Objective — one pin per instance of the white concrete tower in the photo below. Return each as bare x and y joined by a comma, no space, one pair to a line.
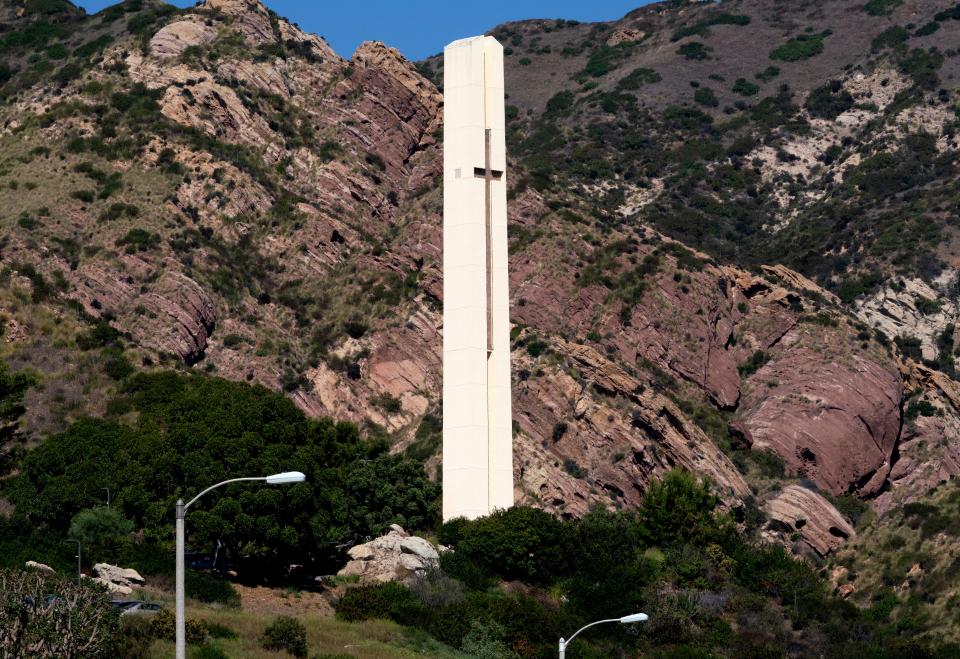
477,420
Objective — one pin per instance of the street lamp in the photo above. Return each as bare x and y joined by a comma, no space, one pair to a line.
283,478
636,617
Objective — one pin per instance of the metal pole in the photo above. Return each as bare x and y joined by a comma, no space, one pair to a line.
108,496
181,626
563,649
181,613
79,573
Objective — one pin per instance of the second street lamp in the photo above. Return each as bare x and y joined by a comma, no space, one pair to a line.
283,478
625,620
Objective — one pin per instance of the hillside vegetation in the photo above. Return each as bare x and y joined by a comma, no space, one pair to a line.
733,256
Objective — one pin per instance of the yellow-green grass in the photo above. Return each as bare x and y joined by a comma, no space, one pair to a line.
884,556
372,639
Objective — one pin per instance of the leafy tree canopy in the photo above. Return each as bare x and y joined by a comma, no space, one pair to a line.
173,435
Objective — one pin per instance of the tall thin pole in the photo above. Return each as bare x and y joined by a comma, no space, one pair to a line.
79,573
181,626
181,613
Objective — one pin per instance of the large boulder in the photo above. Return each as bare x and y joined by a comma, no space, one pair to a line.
172,39
118,580
396,556
33,565
802,511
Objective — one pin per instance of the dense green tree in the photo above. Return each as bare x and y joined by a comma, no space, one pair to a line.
678,509
516,543
13,386
99,527
194,431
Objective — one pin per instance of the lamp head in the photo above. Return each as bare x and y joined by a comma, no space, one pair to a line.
636,617
286,477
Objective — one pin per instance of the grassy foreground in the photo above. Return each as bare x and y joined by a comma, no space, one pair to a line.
374,639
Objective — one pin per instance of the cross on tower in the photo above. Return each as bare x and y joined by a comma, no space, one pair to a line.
488,175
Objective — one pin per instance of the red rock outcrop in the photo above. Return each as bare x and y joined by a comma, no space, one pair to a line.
804,512
831,414
172,39
592,430
928,452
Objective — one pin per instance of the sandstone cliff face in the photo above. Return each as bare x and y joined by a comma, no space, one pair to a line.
807,514
832,415
588,430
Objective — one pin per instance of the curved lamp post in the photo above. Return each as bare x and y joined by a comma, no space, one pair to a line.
636,617
276,479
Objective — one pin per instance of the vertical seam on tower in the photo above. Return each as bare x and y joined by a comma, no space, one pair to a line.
488,220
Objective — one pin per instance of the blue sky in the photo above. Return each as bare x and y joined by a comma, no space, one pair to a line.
419,28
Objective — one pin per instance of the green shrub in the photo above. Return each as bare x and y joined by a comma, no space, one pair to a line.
686,118
427,439
116,365
517,543
485,641
695,50
37,627
286,633
829,101
638,78
387,403
881,7
757,359
677,509
705,96
768,74
163,625
559,430
768,463
910,347
850,507
701,28
216,630
118,210
232,340
802,47
744,87
605,59
135,637
27,222
207,587
208,651
93,47
560,103
571,467
922,66
536,347
388,601
918,408
138,240
890,38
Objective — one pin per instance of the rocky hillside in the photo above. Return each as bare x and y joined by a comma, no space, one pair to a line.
731,238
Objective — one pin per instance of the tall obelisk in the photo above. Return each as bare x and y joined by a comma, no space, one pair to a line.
477,421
